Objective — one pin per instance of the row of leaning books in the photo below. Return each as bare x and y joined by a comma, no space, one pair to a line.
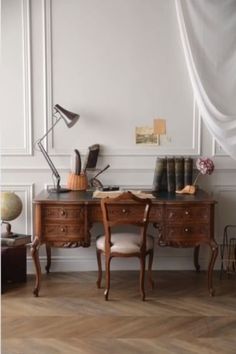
172,173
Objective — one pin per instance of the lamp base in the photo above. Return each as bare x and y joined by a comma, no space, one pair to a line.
59,190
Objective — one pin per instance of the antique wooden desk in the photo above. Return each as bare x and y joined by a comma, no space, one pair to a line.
65,220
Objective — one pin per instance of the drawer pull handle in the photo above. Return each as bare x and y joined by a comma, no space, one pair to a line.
124,211
63,212
186,212
63,229
186,229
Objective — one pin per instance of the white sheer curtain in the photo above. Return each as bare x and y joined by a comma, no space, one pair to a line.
208,34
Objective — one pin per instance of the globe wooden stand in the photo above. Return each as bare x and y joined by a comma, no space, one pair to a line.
8,232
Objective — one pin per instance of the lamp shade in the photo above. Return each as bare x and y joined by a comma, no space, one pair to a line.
69,118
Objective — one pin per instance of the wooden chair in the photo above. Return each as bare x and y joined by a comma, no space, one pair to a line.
126,209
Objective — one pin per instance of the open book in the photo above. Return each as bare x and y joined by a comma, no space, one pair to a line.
113,194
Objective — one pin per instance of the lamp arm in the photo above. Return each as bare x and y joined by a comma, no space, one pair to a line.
50,163
45,154
48,131
70,119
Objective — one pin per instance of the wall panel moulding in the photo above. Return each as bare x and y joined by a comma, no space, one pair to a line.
16,61
186,137
217,149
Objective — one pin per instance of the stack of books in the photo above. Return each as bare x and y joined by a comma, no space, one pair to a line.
172,173
16,240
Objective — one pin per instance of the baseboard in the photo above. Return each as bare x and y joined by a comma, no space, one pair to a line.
75,264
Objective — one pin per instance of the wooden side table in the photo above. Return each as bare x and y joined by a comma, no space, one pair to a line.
13,265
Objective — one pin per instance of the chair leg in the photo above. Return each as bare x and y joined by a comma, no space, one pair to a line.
142,276
150,260
99,279
106,292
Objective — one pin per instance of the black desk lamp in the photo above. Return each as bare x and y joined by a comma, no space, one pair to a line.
70,119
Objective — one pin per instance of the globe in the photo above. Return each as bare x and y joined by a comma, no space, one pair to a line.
11,206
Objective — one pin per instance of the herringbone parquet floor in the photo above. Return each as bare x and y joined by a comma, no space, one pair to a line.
71,316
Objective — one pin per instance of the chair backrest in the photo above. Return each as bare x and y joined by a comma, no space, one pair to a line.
126,209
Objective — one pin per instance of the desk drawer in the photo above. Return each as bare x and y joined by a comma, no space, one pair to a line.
75,213
63,232
156,212
187,233
193,214
124,211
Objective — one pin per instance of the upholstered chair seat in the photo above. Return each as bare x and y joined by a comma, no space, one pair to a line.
125,243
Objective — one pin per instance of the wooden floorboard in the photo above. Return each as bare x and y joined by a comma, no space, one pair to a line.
70,315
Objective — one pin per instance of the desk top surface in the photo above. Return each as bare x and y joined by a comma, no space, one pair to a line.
86,197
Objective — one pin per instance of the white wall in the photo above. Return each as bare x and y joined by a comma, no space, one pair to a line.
119,64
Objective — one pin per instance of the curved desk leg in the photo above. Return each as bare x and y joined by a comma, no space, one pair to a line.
48,252
35,256
195,258
214,253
